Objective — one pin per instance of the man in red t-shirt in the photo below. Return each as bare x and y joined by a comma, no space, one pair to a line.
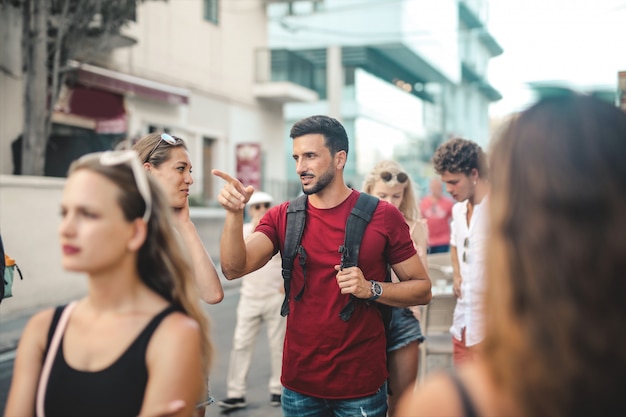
330,366
437,210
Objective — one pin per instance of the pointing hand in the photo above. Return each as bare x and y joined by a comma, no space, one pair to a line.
233,196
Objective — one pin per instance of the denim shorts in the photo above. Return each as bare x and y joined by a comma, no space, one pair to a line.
404,328
295,404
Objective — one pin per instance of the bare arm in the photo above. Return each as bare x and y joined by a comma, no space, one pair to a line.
419,236
239,257
413,288
438,395
435,398
205,275
27,366
175,374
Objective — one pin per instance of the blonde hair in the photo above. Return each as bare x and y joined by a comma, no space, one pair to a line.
409,208
160,149
161,262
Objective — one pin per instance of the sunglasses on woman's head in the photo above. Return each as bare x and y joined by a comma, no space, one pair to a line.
387,176
259,205
164,137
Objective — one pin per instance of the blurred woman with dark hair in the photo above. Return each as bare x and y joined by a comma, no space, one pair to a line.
555,342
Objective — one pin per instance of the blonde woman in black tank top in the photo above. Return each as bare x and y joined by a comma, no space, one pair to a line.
138,341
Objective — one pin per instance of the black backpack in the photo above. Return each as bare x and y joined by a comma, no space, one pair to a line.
358,220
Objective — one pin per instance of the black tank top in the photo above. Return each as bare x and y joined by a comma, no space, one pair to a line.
469,410
117,390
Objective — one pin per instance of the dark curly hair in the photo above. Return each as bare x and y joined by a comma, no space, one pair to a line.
460,156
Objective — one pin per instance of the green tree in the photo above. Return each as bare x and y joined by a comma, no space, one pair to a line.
54,32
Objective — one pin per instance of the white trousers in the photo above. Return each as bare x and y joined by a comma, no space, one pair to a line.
251,313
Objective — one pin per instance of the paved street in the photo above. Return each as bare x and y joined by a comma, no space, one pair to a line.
223,325
6,369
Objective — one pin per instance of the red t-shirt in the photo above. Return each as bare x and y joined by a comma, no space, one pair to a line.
324,356
438,216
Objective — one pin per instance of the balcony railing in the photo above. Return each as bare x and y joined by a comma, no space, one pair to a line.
288,68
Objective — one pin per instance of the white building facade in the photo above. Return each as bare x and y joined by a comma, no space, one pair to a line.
403,76
188,67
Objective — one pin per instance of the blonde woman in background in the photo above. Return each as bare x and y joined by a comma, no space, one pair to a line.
166,158
138,343
388,181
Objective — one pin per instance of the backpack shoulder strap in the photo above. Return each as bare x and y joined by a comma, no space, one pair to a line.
296,217
356,224
359,218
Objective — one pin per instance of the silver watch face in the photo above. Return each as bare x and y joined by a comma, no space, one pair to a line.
377,290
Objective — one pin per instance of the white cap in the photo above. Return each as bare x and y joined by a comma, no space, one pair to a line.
260,197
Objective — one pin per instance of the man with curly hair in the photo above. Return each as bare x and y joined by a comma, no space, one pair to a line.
463,169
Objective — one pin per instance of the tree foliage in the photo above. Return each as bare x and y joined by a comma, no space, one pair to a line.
54,32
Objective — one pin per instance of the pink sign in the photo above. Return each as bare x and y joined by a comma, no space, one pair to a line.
249,164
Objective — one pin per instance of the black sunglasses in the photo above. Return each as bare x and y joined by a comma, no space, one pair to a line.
465,251
388,176
258,205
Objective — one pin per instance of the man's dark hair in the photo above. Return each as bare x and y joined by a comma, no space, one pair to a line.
335,137
460,156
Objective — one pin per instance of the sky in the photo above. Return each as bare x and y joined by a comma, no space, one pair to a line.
578,43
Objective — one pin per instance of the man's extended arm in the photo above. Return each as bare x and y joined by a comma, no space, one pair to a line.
239,257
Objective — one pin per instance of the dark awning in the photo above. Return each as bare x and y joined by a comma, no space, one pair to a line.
118,82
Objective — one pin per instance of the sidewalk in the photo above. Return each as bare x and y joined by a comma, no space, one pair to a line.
11,329
12,326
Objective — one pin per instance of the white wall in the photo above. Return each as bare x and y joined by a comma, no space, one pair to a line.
216,64
176,45
29,218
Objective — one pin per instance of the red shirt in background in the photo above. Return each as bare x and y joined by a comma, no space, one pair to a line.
438,215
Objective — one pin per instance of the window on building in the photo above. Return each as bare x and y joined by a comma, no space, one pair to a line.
211,11
158,128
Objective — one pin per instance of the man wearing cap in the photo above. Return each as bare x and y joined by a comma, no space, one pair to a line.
262,295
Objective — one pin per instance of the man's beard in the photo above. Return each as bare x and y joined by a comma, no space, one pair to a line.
321,183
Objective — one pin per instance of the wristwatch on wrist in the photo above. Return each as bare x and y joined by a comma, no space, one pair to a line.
377,290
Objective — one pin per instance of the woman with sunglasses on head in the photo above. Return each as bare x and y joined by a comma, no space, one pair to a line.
555,340
137,344
390,183
166,158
